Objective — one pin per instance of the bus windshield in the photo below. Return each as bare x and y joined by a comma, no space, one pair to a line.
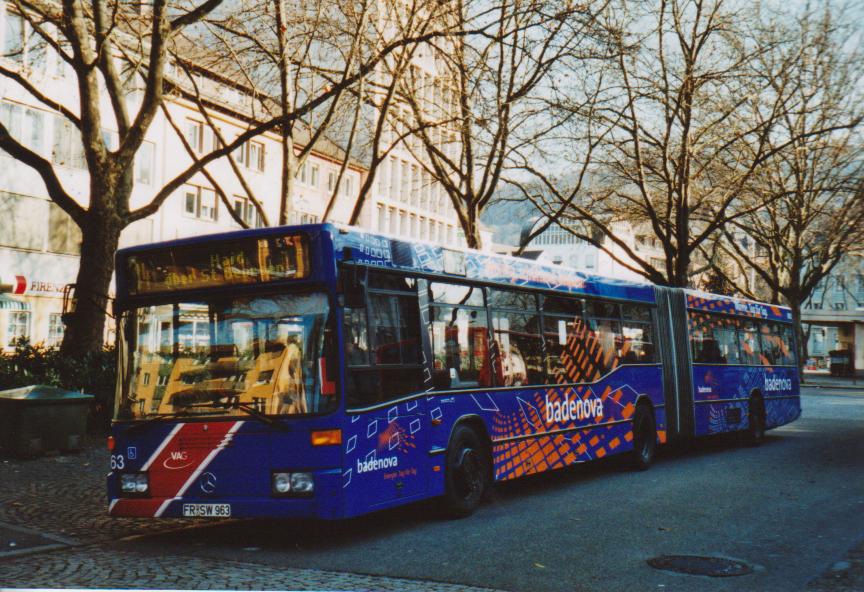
259,355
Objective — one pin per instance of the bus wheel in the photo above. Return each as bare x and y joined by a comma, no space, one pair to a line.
467,473
644,438
755,434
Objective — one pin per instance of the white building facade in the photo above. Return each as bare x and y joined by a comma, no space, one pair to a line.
834,316
557,246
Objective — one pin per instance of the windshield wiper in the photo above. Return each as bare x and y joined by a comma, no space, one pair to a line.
139,423
222,399
250,410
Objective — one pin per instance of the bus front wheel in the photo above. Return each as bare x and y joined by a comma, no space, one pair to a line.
644,438
466,474
755,434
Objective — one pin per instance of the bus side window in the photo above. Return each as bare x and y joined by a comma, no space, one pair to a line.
769,343
776,344
787,346
356,337
713,339
383,359
638,345
518,355
608,342
460,347
564,333
748,343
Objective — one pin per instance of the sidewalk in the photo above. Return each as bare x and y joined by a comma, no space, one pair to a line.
55,533
822,380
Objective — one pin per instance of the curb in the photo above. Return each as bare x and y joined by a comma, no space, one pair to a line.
859,387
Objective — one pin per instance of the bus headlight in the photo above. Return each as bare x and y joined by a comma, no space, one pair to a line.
281,483
302,483
293,484
134,483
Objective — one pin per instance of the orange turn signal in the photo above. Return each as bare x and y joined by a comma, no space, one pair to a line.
327,438
111,443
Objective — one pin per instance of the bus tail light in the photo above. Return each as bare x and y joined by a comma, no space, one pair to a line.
327,438
111,443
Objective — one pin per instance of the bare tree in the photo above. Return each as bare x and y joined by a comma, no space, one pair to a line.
805,210
109,45
286,52
486,105
691,120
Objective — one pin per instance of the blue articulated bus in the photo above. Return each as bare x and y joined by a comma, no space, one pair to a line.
325,372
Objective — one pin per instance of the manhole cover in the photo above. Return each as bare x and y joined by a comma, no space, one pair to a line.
716,567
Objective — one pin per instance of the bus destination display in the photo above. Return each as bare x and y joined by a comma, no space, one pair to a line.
211,265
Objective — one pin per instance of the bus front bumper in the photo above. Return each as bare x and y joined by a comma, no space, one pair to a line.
310,507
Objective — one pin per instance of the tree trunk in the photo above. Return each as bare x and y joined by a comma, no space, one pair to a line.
85,329
472,232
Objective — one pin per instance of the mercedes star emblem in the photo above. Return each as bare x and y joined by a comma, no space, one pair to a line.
207,482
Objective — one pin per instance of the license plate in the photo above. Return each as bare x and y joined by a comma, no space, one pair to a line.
207,510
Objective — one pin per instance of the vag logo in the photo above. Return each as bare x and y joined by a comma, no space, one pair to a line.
178,459
778,384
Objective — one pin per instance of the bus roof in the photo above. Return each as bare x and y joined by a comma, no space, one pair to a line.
707,302
391,252
380,250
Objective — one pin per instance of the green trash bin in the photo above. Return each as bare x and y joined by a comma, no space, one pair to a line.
37,418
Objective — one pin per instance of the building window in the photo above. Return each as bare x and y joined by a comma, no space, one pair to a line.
251,155
26,125
382,219
348,186
55,329
255,156
18,326
68,148
404,186
199,202
22,44
144,163
394,178
839,290
414,184
195,135
313,176
64,236
246,211
394,221
331,180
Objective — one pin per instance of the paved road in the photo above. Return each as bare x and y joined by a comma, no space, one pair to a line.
792,509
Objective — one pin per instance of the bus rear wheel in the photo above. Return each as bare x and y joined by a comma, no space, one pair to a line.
467,473
755,434
644,439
